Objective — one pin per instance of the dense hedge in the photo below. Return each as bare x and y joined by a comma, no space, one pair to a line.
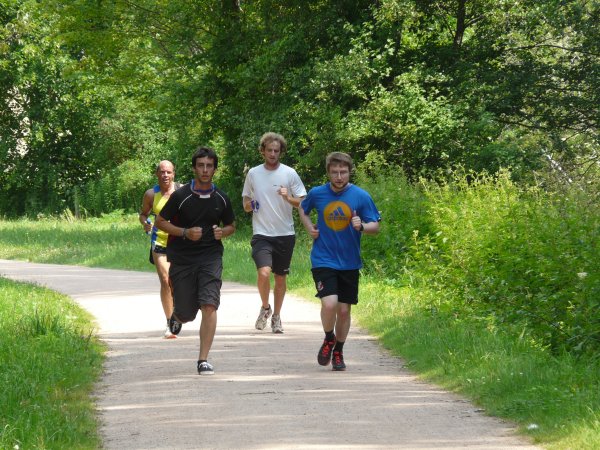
514,257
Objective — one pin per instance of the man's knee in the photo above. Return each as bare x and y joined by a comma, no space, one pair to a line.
184,317
208,309
343,312
264,272
330,303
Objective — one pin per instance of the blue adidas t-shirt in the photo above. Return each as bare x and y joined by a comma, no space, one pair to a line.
338,244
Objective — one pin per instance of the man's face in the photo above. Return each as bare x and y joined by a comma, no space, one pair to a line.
204,169
165,173
339,176
271,153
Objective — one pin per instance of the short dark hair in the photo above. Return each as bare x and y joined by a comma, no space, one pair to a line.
205,152
269,137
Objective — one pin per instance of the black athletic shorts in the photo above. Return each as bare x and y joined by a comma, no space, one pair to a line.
274,252
195,286
343,283
159,249
156,249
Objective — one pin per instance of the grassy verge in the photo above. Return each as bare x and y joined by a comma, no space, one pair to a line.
49,361
555,399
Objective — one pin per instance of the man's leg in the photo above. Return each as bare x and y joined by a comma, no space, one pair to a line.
264,285
342,327
208,326
342,324
279,289
281,260
162,269
329,307
328,319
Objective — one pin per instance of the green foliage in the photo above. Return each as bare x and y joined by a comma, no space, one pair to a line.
50,133
517,257
49,365
403,210
428,84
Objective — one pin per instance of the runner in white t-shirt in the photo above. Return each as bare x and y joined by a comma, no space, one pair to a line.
271,192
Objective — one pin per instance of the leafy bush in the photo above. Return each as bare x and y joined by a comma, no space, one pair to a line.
518,257
403,212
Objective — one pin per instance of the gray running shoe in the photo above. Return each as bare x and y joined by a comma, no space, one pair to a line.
263,316
276,326
205,368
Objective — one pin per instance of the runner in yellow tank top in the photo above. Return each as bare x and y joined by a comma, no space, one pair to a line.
152,203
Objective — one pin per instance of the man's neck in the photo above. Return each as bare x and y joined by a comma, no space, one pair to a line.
271,166
202,187
338,190
166,188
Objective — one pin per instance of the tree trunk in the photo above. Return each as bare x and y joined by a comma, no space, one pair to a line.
460,23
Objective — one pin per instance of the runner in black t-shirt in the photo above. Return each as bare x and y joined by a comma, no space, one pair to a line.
196,217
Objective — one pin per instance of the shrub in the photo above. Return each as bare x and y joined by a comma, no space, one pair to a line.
518,256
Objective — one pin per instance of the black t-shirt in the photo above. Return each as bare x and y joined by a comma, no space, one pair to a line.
186,208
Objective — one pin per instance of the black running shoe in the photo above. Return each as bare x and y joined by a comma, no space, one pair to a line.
324,355
204,368
337,362
174,325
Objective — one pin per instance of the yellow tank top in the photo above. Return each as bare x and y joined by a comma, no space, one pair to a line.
158,237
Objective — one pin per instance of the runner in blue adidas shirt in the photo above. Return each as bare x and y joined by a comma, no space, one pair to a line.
344,213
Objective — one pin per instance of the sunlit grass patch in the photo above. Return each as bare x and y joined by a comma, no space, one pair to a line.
49,363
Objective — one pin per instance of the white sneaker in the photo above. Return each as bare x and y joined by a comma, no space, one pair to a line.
263,316
168,334
276,326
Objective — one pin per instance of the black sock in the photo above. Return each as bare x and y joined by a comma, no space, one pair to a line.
339,346
329,336
200,361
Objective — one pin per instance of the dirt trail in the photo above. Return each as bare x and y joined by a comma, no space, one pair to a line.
267,392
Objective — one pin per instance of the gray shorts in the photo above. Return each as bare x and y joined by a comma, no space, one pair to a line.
195,286
274,252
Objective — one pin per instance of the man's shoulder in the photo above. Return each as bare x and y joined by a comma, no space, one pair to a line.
286,168
358,190
257,168
221,192
181,191
181,186
320,188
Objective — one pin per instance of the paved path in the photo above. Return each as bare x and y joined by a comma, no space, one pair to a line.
267,392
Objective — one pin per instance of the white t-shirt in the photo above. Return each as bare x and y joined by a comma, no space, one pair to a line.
274,215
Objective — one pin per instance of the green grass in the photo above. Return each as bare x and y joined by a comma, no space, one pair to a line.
556,397
506,373
49,361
